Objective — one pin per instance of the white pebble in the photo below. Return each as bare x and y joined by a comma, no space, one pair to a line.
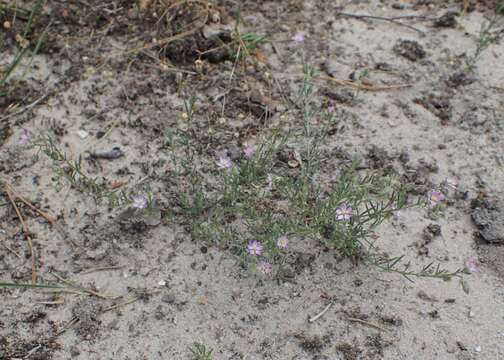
82,134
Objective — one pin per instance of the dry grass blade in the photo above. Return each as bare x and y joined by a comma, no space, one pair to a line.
67,326
350,83
103,268
356,320
124,303
30,205
10,250
26,233
78,287
46,216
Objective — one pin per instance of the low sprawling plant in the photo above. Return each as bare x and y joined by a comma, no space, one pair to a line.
256,203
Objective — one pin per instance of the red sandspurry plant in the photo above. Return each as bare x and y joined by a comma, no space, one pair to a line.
343,217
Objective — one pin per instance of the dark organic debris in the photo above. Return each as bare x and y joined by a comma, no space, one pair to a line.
459,78
439,105
391,320
376,344
88,324
409,49
5,131
35,348
447,20
378,157
349,351
430,232
339,95
312,343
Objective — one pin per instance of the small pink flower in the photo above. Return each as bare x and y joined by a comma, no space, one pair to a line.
249,151
264,267
282,242
435,197
24,137
330,109
139,202
344,212
224,162
451,182
254,247
299,37
471,266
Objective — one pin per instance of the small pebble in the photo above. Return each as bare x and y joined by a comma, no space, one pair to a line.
82,134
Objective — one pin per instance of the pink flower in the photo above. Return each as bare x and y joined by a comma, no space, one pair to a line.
282,242
299,37
139,202
249,151
451,182
224,162
330,109
471,266
24,137
254,247
344,212
264,267
435,197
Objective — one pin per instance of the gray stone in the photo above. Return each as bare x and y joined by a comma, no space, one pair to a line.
488,216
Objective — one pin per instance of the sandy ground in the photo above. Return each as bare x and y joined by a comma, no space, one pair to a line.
186,290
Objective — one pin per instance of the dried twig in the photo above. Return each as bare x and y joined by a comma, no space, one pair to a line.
319,315
78,287
54,302
46,216
26,234
124,303
352,84
103,268
67,326
363,322
11,250
394,20
30,205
